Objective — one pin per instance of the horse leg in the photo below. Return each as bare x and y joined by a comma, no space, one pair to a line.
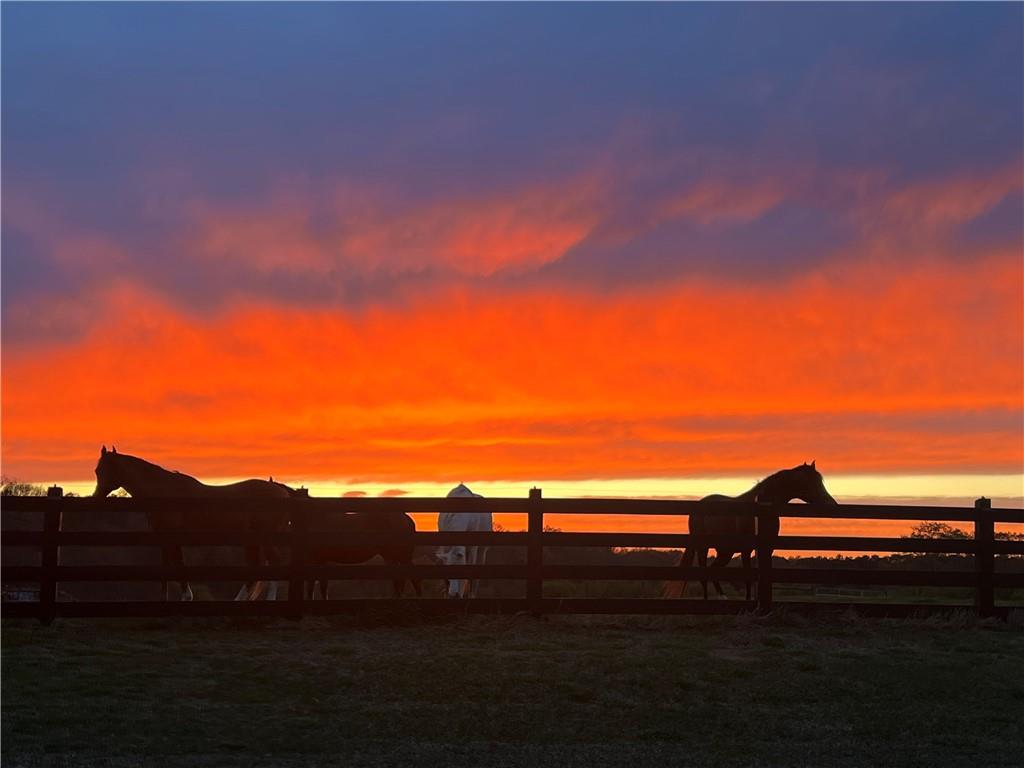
721,561
471,555
403,557
676,589
166,558
273,556
244,591
416,587
746,571
702,561
481,560
398,584
175,558
183,585
252,588
309,585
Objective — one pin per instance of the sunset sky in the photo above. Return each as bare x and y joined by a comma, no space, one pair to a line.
607,249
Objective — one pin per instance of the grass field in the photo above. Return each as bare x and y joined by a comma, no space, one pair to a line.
775,691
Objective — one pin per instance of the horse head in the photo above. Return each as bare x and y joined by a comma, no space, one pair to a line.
108,472
457,555
453,556
808,485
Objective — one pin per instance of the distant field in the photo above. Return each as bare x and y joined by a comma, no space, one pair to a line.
373,691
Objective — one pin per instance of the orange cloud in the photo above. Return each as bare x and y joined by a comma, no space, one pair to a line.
370,230
682,379
950,201
721,201
516,228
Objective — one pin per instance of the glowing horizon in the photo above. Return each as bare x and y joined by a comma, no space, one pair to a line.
1006,491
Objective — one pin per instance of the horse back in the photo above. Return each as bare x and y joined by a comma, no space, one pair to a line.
469,521
260,489
702,523
361,522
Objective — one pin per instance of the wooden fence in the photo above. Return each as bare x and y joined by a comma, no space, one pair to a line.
50,541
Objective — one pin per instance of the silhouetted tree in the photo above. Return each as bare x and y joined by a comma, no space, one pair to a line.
932,530
12,487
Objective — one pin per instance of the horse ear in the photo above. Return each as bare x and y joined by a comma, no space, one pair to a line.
113,449
103,451
812,465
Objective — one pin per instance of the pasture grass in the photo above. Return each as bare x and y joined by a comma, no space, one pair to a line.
384,690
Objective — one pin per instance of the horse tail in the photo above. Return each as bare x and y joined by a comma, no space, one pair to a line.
675,589
403,553
411,525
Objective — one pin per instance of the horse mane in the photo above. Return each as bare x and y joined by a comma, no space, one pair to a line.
150,466
768,483
758,488
146,463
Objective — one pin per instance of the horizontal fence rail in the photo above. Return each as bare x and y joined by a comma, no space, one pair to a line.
546,506
304,539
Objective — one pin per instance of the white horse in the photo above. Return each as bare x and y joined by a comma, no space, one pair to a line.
463,555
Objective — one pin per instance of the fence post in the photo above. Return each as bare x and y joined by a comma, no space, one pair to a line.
534,553
52,521
297,561
764,559
984,556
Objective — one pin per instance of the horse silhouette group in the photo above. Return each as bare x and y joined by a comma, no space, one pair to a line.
145,480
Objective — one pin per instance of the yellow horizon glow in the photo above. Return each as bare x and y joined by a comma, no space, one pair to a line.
1005,490
956,490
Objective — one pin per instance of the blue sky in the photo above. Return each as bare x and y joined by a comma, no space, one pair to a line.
118,117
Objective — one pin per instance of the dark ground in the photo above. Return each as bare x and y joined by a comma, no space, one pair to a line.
375,691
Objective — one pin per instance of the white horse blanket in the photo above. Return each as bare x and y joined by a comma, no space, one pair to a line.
463,555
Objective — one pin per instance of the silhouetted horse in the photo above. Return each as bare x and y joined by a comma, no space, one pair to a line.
396,523
144,480
803,482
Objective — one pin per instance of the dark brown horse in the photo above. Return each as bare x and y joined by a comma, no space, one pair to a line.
803,482
144,480
397,524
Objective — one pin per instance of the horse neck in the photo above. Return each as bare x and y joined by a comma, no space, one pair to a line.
765,491
774,489
752,494
141,478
